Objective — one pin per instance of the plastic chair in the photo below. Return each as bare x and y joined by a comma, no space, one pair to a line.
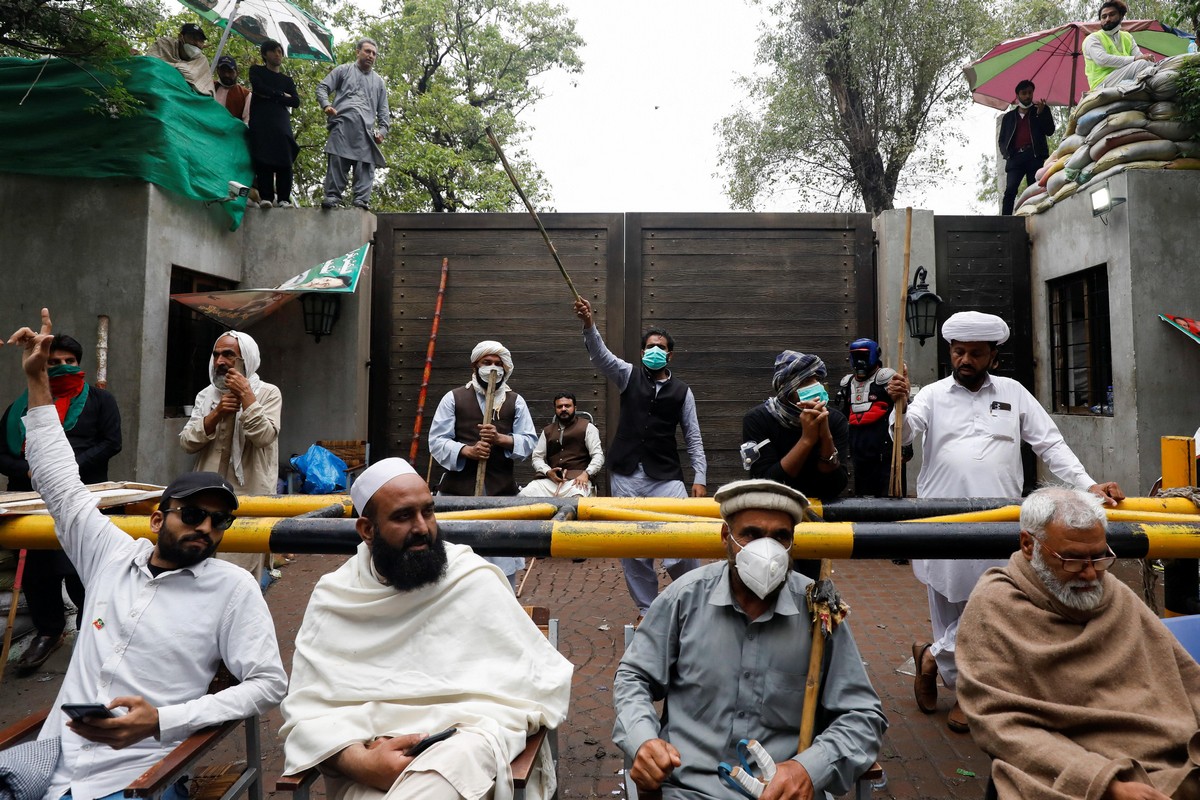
1187,631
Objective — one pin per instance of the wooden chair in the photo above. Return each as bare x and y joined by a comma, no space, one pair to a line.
180,761
300,785
862,787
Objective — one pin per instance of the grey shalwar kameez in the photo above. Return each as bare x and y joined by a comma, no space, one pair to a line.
360,99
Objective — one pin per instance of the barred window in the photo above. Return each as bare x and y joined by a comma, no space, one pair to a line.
1080,343
190,337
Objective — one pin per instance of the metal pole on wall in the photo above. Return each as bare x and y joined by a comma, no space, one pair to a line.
897,483
102,352
1181,582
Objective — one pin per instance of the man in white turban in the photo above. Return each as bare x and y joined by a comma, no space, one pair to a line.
973,424
410,637
460,438
234,427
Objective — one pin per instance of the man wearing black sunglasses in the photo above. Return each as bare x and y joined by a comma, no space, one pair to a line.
1069,681
158,618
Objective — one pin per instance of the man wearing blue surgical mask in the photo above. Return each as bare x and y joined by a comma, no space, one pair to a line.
644,456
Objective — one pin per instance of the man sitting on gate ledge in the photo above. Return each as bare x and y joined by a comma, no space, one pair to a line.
726,647
1070,682
409,637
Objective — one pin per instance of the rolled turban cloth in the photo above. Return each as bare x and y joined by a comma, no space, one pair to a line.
793,368
491,348
974,326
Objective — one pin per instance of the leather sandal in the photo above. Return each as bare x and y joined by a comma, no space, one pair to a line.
956,720
925,680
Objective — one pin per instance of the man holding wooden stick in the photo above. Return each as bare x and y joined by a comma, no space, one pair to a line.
727,647
460,438
973,424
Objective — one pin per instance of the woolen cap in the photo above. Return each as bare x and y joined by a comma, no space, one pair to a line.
190,483
762,494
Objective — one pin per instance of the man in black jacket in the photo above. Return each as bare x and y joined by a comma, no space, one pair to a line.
93,425
1023,133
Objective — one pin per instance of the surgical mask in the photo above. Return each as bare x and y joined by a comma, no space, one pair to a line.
762,565
482,374
654,358
815,391
1023,104
190,51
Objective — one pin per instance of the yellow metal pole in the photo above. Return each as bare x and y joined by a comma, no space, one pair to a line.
614,514
531,511
695,506
1181,586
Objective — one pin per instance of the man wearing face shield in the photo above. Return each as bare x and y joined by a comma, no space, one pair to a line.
459,436
186,54
643,459
862,397
726,648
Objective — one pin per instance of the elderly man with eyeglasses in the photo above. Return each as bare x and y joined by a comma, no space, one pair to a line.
1070,683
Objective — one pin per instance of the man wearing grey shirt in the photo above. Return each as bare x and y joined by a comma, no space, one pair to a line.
727,649
357,117
643,459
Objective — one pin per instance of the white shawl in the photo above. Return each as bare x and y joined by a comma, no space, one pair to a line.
371,661
210,397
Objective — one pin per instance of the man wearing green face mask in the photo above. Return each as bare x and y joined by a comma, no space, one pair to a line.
643,459
93,425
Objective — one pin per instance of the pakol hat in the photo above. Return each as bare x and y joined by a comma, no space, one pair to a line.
761,494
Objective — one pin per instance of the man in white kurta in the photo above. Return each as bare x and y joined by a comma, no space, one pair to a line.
234,427
973,424
409,637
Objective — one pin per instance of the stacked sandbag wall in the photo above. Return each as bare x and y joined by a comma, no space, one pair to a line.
1134,125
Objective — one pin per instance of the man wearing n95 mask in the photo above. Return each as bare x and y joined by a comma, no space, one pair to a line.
459,436
727,647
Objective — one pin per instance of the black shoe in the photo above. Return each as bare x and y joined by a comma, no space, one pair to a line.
327,204
363,206
39,650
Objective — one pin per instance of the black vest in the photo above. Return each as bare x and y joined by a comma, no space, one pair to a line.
567,448
467,417
646,429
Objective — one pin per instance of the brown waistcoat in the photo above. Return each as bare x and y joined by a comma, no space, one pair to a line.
467,417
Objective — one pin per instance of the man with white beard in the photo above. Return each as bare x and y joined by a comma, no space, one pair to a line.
1070,683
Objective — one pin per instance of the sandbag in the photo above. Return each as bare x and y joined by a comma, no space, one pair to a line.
1078,160
1163,109
1175,131
1067,146
1069,188
1119,168
1057,166
1125,119
1181,60
1118,138
1156,150
1184,163
1189,149
1163,85
1100,97
1085,123
1056,182
1030,192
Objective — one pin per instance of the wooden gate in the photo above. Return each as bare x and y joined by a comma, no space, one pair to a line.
733,290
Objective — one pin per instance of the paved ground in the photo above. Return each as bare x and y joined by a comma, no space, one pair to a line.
921,757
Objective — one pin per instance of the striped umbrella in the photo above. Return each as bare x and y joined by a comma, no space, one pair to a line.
301,34
1053,60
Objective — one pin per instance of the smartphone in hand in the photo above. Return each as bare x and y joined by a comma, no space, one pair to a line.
82,711
429,741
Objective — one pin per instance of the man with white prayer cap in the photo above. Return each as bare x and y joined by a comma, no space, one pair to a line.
411,637
726,648
973,424
459,436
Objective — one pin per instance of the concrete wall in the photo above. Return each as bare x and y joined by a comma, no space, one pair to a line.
85,248
922,361
1151,269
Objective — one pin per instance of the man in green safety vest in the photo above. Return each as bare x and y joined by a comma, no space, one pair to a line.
1110,55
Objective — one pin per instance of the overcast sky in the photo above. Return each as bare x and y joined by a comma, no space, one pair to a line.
635,130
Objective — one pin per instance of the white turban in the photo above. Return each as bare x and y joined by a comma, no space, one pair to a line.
973,326
490,348
761,494
374,477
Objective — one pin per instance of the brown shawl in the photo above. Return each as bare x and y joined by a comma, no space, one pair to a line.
1067,701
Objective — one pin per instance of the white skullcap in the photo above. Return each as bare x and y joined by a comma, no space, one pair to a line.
974,326
490,348
761,494
374,477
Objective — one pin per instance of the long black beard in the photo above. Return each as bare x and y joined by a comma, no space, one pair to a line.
170,550
407,569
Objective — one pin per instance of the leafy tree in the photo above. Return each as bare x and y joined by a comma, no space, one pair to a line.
453,67
849,92
96,30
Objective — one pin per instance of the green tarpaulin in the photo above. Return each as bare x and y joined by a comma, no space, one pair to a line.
179,140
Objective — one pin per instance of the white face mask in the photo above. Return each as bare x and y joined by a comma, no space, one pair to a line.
762,565
483,372
190,51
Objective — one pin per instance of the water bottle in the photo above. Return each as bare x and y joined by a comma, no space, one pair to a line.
1192,46
1108,402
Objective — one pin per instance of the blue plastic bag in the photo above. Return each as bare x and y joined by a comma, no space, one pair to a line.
324,473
